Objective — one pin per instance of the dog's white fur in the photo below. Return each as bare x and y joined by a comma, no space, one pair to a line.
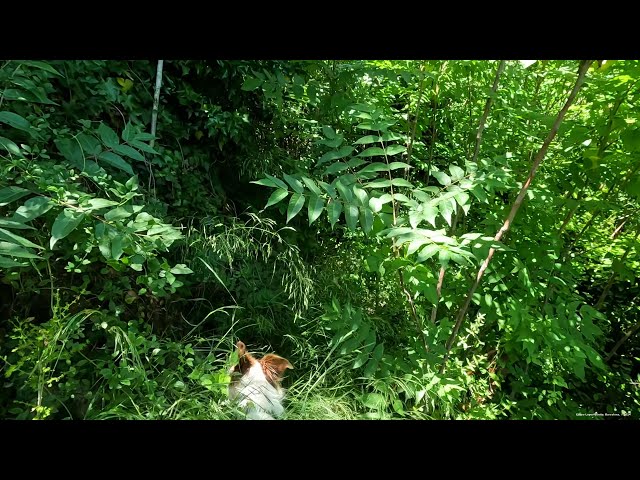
257,391
256,396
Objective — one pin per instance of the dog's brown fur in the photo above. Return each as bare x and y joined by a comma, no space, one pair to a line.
273,365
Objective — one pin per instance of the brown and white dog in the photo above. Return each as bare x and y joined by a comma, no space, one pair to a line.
255,384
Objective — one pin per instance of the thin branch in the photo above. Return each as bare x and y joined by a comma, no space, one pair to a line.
626,336
416,115
156,101
584,66
434,309
434,113
483,119
412,305
487,107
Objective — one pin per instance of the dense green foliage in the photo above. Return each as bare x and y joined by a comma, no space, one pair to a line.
336,212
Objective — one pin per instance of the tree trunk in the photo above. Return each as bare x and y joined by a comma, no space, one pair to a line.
584,66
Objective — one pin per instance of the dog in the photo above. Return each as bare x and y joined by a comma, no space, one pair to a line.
255,384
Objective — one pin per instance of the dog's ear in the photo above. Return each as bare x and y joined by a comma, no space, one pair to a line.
275,363
244,359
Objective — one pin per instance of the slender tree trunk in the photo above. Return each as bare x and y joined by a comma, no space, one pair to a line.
434,309
407,293
487,107
434,113
584,66
415,120
156,101
483,119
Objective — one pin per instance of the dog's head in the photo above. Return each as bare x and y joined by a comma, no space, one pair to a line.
273,366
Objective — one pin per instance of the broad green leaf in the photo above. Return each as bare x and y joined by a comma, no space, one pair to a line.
368,139
295,205
334,209
127,133
41,65
345,192
276,197
395,149
379,184
401,182
361,195
64,224
71,149
446,210
8,263
116,161
311,185
351,215
462,198
333,143
251,84
415,244
127,151
265,181
442,177
335,155
295,183
143,146
390,137
328,188
277,181
118,213
108,136
90,144
181,269
414,218
361,359
314,209
116,247
377,352
32,208
144,137
428,252
397,165
429,213
631,139
14,120
370,369
329,132
98,203
372,152
363,107
376,204
355,162
335,168
9,146
431,293
14,225
12,250
479,193
11,194
456,172
578,367
366,220
444,256
405,200
374,167
13,238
